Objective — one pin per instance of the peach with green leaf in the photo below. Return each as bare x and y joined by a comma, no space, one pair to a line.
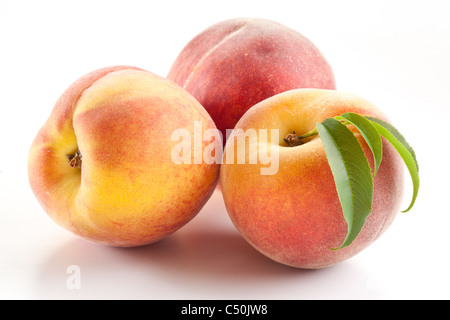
339,184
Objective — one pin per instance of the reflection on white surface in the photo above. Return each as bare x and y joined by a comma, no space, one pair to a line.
207,259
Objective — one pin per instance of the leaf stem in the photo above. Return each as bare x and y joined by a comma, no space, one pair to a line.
292,140
311,133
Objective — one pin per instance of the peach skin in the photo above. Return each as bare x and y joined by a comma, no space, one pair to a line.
234,64
294,215
101,165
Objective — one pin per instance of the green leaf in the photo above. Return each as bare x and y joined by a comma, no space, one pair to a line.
352,175
408,155
397,136
369,133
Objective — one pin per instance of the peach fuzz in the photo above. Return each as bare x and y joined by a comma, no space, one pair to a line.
234,64
294,216
101,165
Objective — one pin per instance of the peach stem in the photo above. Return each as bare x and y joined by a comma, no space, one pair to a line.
75,159
293,140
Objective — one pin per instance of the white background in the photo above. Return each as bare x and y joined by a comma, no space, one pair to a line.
394,53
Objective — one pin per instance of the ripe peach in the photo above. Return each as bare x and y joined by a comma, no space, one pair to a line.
101,165
235,64
294,216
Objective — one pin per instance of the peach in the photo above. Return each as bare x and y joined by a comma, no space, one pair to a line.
237,63
101,165
294,216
